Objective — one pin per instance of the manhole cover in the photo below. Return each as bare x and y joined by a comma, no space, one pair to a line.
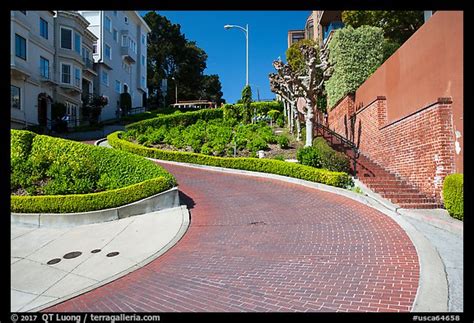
71,255
112,254
257,223
95,251
54,261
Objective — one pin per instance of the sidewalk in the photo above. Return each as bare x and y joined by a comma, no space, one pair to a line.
50,265
444,233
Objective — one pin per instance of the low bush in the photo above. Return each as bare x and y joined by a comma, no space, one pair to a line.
338,179
309,156
331,159
283,142
43,165
261,108
321,155
453,195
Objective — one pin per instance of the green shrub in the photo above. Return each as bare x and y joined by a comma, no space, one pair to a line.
55,166
453,195
261,108
338,179
331,159
308,156
283,142
88,202
354,54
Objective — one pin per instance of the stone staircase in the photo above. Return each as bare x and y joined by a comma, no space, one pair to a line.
380,180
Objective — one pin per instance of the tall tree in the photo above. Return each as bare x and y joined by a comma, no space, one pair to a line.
211,89
397,25
178,60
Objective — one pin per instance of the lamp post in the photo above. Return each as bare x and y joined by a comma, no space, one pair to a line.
175,89
246,31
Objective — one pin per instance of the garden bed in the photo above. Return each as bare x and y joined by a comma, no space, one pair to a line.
52,175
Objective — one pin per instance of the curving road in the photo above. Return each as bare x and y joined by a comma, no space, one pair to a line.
258,244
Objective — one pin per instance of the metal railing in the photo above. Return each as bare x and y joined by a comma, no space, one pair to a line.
320,128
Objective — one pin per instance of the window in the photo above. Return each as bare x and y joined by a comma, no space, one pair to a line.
77,77
44,67
133,45
71,111
115,35
125,19
66,73
15,97
143,60
20,47
94,48
108,24
66,38
43,28
117,86
108,51
124,40
105,78
143,39
77,43
143,82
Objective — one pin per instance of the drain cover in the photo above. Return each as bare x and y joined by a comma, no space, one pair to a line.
257,223
72,255
113,254
95,251
54,261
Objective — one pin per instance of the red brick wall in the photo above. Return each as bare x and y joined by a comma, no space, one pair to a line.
417,147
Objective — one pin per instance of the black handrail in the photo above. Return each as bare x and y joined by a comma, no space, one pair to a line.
350,144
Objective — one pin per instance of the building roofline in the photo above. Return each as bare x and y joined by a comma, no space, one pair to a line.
142,21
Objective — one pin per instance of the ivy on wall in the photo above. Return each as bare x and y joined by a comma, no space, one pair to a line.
354,55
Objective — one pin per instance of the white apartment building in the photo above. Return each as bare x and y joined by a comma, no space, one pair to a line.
63,56
120,55
31,67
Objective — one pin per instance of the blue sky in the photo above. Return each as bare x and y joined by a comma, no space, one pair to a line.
226,48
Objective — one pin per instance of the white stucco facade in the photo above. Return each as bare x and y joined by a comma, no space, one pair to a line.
120,57
62,56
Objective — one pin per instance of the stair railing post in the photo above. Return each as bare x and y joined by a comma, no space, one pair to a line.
355,161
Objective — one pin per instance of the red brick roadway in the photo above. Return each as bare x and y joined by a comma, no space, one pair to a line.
260,245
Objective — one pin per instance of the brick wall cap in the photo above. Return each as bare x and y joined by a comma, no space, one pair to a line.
445,100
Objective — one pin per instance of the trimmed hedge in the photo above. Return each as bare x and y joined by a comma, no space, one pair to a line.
261,108
183,119
453,195
338,179
74,171
89,202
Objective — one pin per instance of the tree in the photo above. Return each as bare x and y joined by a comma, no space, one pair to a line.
171,55
246,101
294,56
92,107
211,89
307,82
397,25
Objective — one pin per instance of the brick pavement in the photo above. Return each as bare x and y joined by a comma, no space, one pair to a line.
264,245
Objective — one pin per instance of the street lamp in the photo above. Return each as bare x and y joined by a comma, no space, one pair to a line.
175,89
246,31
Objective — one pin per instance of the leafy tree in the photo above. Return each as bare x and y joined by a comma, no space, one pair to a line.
211,89
171,55
246,101
397,25
294,57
